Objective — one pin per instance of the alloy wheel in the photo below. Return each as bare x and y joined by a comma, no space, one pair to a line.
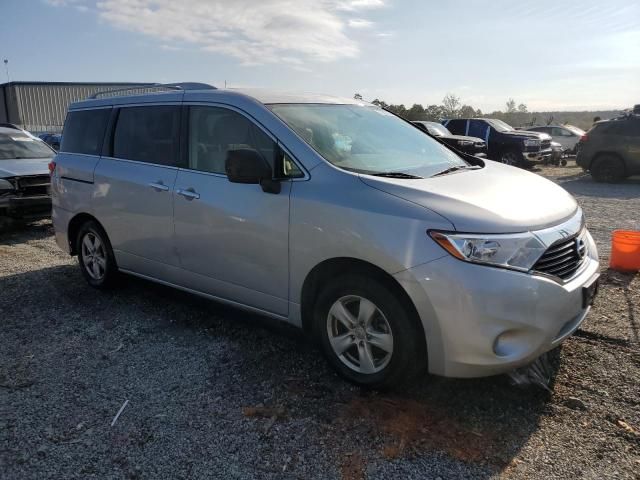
94,256
360,334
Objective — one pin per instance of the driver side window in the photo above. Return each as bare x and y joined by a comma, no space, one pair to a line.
214,131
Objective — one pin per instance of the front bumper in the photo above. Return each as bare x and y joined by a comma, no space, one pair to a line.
539,156
18,207
481,320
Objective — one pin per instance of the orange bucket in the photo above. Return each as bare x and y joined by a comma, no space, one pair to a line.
625,250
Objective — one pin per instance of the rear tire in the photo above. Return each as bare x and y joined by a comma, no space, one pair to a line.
607,169
368,334
95,256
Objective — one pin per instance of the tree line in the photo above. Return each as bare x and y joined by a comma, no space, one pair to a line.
515,114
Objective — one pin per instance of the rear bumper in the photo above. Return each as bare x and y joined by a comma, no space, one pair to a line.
61,218
25,207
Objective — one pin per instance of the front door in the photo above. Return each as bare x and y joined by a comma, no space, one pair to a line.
232,239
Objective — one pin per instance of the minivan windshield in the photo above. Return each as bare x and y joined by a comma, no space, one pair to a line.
499,125
19,145
367,139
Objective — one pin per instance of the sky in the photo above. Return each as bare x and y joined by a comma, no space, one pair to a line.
548,54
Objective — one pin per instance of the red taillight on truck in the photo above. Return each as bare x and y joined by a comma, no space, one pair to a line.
584,138
52,167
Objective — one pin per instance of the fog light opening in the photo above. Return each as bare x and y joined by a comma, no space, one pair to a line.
506,344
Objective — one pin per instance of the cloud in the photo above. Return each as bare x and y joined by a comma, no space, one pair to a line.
353,5
253,31
360,23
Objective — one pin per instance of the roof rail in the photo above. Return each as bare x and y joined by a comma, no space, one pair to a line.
168,86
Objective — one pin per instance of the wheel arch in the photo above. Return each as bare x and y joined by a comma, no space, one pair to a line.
74,227
333,267
608,153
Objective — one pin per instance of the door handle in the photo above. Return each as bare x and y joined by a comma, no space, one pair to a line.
188,193
159,186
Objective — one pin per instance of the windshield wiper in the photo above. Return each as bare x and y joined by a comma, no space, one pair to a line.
395,175
454,169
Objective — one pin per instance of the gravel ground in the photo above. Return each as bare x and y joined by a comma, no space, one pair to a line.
217,393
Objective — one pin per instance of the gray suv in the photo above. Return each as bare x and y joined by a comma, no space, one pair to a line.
395,253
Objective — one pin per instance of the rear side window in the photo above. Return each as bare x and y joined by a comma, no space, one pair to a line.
148,134
84,131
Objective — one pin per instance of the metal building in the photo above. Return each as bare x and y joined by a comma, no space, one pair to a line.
41,106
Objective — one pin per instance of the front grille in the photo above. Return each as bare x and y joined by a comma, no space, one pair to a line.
34,185
563,259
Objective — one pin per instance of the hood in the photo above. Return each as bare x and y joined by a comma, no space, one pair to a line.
494,199
24,166
527,134
463,137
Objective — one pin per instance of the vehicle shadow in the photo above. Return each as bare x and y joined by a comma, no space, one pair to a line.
13,232
623,281
479,425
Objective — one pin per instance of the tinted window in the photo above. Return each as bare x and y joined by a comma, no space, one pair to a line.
148,134
215,131
628,127
477,128
457,127
84,131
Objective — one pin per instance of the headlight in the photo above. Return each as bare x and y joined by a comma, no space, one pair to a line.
518,251
531,142
465,143
5,185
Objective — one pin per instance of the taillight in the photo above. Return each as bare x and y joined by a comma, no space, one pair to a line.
584,138
52,167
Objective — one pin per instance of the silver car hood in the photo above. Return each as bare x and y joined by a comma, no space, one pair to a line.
493,199
24,166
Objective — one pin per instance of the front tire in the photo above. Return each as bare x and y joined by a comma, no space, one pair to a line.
95,255
607,169
368,334
511,157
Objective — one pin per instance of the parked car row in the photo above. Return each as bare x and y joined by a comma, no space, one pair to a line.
504,143
52,139
471,145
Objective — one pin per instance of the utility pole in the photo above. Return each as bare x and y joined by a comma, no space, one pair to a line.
6,67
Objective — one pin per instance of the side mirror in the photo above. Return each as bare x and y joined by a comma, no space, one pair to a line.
246,165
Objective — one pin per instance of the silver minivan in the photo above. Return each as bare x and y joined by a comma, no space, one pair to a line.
396,253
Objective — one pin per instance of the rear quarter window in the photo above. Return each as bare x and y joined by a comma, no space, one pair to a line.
84,131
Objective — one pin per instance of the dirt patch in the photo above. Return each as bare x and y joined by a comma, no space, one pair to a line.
353,467
411,427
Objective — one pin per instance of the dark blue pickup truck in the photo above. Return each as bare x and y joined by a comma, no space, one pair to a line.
504,143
